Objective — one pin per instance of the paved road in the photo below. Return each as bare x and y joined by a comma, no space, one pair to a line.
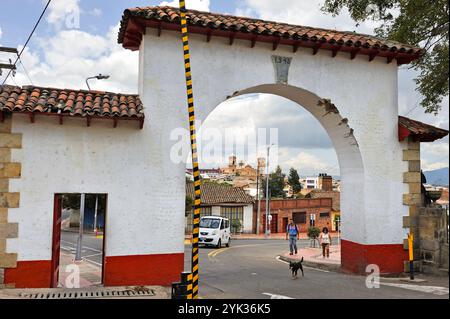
91,249
249,269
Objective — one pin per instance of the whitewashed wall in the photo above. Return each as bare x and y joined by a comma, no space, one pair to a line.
365,92
248,219
121,162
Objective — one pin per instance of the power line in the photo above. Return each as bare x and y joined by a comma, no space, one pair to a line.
26,72
412,109
29,37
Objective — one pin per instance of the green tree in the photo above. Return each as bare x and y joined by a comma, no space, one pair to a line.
73,201
313,232
423,23
276,184
294,180
189,204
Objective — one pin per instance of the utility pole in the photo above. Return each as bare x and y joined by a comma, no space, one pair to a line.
95,215
8,66
267,194
80,232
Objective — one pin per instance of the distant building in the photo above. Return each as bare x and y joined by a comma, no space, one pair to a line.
311,183
323,181
206,173
242,169
302,211
443,200
223,200
335,196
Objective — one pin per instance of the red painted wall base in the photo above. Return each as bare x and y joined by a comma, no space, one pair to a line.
29,274
355,257
161,269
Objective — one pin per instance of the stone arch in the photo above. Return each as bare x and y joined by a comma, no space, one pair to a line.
344,142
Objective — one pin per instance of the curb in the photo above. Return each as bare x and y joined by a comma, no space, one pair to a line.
313,264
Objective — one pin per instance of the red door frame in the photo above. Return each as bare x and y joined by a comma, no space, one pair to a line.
104,241
56,241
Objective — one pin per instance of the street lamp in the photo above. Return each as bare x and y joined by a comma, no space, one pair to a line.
98,77
266,231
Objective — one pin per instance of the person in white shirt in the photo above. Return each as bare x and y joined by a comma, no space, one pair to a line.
325,241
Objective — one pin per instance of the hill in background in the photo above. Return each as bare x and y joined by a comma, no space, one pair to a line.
437,177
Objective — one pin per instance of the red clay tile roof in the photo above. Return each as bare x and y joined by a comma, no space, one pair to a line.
443,200
135,20
65,102
418,130
213,193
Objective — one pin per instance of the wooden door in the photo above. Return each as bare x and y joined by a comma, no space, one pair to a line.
56,241
285,224
274,224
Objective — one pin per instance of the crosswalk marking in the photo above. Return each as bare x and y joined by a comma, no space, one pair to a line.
435,290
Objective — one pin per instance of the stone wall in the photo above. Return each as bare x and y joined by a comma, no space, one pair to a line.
412,197
432,227
8,200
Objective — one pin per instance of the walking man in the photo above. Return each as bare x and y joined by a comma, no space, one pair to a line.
292,232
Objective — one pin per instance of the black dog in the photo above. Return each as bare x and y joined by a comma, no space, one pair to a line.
295,266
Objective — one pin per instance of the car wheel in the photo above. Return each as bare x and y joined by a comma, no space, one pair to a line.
219,244
229,241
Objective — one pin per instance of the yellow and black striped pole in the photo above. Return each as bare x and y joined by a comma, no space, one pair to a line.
196,172
411,255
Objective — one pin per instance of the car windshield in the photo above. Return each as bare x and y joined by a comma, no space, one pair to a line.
209,223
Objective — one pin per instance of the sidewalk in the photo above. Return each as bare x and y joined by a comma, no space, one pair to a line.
312,257
90,274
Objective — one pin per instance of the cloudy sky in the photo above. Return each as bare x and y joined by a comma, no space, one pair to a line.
67,48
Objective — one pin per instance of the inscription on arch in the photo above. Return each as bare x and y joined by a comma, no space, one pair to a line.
281,65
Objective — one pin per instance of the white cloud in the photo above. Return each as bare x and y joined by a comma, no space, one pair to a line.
437,149
427,166
301,12
307,163
64,13
434,155
70,56
96,12
202,5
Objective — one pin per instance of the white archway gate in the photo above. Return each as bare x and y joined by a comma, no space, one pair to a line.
347,81
351,74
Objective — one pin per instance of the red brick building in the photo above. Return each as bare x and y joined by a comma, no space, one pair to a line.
301,210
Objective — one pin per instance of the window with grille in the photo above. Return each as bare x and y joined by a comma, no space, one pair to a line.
205,211
324,215
233,214
299,217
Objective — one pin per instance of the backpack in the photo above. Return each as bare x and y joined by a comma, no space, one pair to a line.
296,229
